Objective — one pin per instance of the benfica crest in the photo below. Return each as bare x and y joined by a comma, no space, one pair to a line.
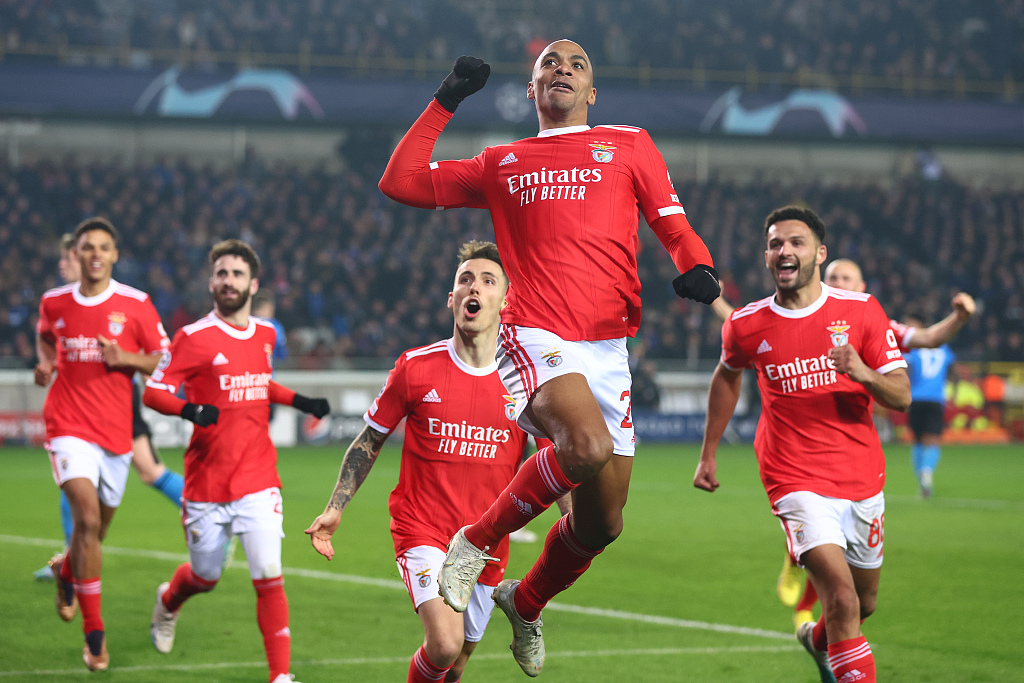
553,357
839,336
115,323
602,152
510,407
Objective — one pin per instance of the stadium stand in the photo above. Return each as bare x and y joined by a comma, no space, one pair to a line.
925,46
358,276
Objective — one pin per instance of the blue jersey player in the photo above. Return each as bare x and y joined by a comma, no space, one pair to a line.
928,371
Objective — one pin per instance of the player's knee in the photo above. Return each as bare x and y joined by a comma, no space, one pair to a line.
89,523
443,649
845,606
210,576
586,452
269,570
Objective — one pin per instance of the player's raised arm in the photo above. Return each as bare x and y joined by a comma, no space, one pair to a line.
359,458
943,331
723,394
407,176
317,407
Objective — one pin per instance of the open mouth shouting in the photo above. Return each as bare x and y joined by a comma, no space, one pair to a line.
472,308
562,85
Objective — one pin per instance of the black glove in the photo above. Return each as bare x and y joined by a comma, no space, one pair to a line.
317,407
699,283
203,415
468,75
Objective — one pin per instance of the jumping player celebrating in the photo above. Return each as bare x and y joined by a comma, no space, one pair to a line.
95,334
231,481
564,207
822,356
461,449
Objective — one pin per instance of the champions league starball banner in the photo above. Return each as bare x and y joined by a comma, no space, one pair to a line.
280,95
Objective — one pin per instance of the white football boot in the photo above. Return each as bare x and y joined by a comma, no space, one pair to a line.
161,628
460,571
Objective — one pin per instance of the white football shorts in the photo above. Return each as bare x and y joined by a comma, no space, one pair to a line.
419,567
258,521
857,526
528,357
74,458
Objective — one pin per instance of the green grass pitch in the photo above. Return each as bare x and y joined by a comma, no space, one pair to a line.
686,594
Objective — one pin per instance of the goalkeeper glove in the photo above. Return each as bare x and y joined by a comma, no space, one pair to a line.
203,415
317,407
699,283
467,77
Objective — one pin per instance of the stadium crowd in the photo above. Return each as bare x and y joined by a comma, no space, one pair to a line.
973,39
358,276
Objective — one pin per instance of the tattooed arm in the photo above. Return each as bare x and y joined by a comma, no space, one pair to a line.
359,458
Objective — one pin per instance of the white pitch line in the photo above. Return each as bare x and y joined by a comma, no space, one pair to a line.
398,585
402,660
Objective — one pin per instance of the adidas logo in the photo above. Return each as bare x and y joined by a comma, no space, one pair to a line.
851,676
432,397
510,158
285,632
765,347
220,359
59,325
523,507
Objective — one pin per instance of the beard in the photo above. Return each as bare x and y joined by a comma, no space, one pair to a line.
227,305
805,273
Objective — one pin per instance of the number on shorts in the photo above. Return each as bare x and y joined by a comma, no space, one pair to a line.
277,503
876,535
626,421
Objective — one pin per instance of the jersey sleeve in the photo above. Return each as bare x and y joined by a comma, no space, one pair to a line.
459,183
179,362
151,332
880,346
654,190
733,355
660,205
392,403
903,334
44,328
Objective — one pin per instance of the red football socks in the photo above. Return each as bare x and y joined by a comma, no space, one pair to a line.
819,635
422,670
537,484
184,584
808,599
563,560
65,569
90,596
852,660
272,616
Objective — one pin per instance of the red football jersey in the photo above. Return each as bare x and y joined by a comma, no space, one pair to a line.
815,432
903,334
461,447
89,400
564,208
230,368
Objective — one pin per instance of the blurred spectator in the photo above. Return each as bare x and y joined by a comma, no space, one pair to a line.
897,39
357,276
264,306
